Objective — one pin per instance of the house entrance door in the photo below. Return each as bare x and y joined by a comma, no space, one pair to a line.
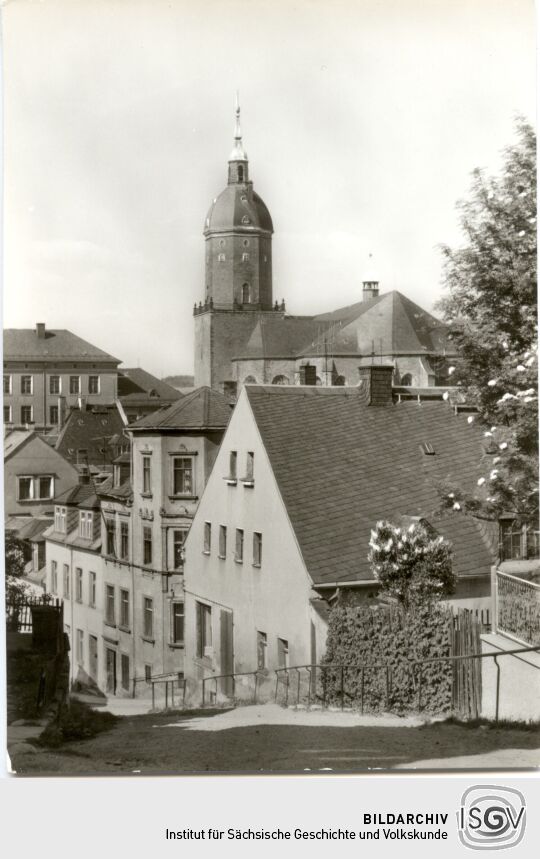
93,657
226,651
111,670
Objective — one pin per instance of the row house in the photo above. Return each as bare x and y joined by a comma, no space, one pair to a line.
34,473
302,476
115,552
48,371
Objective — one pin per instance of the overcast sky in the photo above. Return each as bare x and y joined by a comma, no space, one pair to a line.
362,121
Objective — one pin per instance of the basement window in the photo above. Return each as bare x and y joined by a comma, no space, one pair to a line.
427,449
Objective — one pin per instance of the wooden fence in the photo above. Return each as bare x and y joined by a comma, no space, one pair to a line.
465,629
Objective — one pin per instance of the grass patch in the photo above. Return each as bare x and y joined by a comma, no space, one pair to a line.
78,722
489,724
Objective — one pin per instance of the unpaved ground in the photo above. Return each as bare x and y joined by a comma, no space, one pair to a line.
144,744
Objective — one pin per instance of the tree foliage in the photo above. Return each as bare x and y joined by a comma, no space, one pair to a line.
14,555
412,565
491,308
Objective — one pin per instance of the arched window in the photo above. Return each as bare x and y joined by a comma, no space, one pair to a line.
240,173
250,380
339,381
245,293
406,379
280,380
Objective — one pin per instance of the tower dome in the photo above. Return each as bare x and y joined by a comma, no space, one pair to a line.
238,231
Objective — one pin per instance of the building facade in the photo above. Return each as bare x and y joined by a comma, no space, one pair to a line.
34,474
48,371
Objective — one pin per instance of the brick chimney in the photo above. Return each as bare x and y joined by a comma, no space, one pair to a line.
40,330
376,384
370,289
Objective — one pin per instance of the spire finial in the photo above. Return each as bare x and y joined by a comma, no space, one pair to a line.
238,153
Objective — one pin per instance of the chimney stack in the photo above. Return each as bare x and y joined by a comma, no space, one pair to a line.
84,475
370,289
376,384
40,330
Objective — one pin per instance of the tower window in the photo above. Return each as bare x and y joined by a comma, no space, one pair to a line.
246,243
245,220
245,257
221,257
222,243
245,293
240,174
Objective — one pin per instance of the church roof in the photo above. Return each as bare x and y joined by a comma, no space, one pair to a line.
388,324
238,207
203,409
279,336
353,464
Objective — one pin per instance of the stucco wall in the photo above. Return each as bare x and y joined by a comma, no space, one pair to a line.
519,689
273,598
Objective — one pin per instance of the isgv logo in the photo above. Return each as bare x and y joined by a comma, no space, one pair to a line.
491,817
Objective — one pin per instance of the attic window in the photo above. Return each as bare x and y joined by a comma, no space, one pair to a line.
245,220
427,449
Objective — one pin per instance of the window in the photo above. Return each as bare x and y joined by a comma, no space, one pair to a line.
518,541
178,622
245,257
54,385
148,673
66,581
147,475
111,536
54,577
85,524
124,671
124,541
182,475
262,645
148,617
45,487
26,384
239,548
92,594
60,519
147,545
124,608
250,463
93,384
204,629
240,173
233,461
110,612
78,584
80,646
7,383
7,414
74,384
53,414
27,414
179,538
222,541
221,257
26,488
207,537
257,549
283,653
245,293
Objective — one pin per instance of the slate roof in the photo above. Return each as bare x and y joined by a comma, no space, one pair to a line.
203,409
24,343
341,466
90,430
277,336
238,208
390,323
135,384
81,492
14,440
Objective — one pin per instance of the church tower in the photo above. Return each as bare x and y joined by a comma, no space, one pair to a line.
238,232
238,271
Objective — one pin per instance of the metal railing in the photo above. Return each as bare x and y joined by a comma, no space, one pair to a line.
284,676
167,683
19,611
517,608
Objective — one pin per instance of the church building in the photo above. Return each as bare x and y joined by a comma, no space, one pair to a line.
244,336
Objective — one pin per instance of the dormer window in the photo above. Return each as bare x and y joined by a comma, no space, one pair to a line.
85,524
60,519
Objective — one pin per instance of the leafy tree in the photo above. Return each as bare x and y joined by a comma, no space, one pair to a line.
491,308
14,555
413,565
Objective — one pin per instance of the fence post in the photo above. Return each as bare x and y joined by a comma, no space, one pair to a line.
497,688
298,687
153,697
166,694
387,672
420,671
362,691
203,691
342,687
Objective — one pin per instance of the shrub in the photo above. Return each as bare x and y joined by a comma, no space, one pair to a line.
77,722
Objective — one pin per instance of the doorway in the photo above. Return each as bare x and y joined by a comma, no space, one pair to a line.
110,662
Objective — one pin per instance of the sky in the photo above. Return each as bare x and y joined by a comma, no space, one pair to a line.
362,121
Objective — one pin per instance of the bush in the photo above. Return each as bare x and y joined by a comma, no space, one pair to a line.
77,722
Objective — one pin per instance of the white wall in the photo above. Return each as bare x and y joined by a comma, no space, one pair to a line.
519,689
